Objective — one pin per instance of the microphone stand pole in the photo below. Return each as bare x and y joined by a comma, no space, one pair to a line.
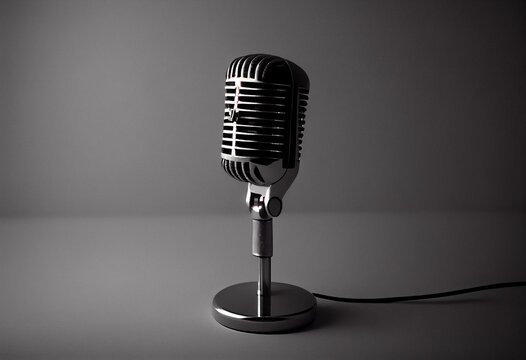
262,247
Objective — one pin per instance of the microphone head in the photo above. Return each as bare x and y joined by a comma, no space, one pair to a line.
265,102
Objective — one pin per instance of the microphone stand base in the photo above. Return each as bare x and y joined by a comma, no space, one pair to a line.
286,309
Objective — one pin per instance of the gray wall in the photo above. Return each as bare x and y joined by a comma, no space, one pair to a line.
115,107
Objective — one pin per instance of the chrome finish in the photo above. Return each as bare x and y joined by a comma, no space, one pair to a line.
258,197
266,99
288,308
262,238
264,305
264,281
265,102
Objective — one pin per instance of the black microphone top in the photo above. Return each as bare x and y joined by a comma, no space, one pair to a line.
265,102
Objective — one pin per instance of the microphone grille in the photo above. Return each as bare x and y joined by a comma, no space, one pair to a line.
255,121
265,103
243,171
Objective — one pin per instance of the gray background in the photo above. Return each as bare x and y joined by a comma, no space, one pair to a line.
115,107
118,226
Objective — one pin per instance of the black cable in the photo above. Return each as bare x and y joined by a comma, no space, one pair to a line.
423,296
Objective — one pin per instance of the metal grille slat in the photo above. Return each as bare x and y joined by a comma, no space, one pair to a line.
303,98
259,127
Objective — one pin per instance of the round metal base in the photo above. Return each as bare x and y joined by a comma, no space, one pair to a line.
288,308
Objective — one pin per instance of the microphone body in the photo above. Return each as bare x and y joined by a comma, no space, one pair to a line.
265,103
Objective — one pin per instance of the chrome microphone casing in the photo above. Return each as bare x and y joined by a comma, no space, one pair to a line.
265,103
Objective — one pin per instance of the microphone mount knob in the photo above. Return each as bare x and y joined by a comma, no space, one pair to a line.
274,206
263,208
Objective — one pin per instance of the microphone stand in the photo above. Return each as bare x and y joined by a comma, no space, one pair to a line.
265,307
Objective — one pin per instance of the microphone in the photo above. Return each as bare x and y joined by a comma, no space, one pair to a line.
265,103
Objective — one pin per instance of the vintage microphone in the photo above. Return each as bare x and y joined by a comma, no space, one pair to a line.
265,102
